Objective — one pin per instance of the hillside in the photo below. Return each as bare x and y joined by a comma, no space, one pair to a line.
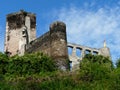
38,72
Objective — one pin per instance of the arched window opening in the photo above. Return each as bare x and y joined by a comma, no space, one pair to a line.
95,53
87,51
79,52
70,49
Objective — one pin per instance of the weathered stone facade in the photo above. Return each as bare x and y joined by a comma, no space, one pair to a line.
20,30
21,37
52,43
75,59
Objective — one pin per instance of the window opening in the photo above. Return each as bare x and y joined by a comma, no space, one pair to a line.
70,49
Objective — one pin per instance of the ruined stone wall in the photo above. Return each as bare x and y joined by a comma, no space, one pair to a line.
41,44
52,43
12,41
76,59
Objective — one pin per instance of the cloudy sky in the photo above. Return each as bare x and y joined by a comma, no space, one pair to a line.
89,22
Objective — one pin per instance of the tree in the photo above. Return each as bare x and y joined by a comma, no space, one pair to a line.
3,63
30,64
118,63
95,67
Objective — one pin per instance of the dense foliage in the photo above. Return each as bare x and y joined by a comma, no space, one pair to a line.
26,65
38,72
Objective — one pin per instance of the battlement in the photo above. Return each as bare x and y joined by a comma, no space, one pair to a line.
17,20
20,12
58,25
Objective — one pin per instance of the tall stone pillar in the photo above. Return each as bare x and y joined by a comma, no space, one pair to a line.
58,44
83,53
74,52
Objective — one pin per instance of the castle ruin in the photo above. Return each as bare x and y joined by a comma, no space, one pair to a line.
21,38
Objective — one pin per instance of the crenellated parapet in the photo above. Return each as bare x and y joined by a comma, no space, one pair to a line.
17,19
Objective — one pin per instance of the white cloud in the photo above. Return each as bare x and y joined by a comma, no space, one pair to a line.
90,28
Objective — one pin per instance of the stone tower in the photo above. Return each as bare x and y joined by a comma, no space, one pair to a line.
58,44
20,30
105,51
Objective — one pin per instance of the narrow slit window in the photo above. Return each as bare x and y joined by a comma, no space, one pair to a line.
70,63
8,38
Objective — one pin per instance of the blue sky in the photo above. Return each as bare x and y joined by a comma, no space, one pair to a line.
89,22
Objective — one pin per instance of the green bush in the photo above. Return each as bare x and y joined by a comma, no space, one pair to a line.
30,64
95,67
38,72
118,63
3,63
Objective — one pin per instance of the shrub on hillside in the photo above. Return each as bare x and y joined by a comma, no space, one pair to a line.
26,65
118,63
3,63
95,67
30,64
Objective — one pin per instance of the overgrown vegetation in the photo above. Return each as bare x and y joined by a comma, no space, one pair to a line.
38,72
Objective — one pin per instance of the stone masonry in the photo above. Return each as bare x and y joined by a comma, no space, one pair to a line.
21,38
52,43
76,59
20,30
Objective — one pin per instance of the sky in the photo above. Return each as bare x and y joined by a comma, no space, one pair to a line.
89,22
